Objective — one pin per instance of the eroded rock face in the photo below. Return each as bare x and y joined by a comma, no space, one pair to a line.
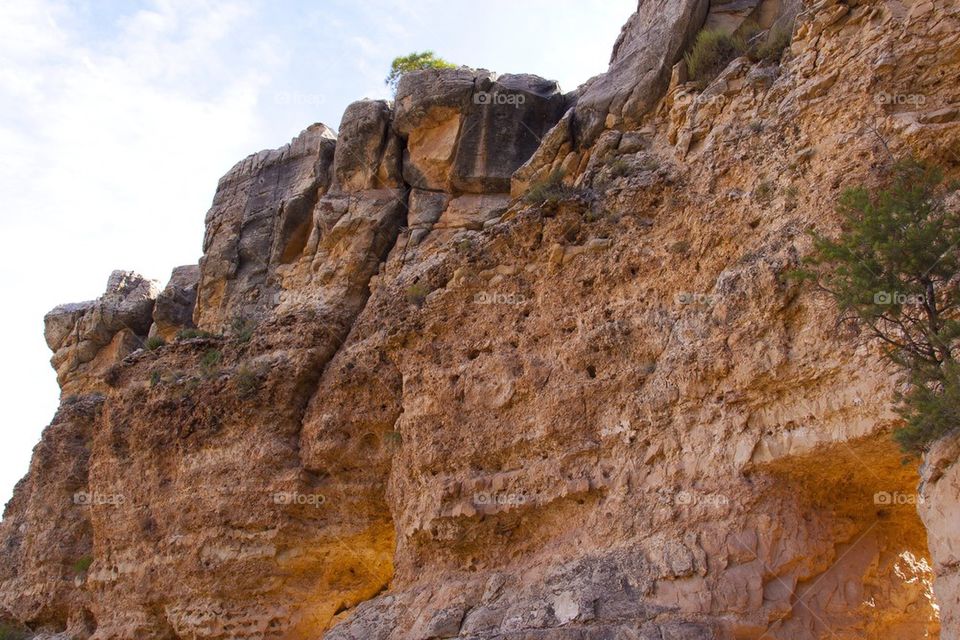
368,154
650,43
173,311
260,219
939,507
467,131
88,337
607,413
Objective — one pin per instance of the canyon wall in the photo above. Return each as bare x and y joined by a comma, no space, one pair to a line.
495,361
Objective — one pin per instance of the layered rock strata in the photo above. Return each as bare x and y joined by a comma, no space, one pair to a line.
441,396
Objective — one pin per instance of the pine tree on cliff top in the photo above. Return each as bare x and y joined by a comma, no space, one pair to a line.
414,62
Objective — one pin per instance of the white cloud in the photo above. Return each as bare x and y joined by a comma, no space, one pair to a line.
109,155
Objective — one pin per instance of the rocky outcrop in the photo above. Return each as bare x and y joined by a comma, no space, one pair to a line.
87,338
173,310
468,131
939,506
651,42
260,219
601,410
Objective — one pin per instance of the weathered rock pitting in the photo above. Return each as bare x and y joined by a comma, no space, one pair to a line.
432,398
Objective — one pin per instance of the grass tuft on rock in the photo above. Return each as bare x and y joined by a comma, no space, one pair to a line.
711,53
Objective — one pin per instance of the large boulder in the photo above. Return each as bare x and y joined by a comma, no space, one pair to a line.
87,337
173,310
468,130
650,43
260,218
368,151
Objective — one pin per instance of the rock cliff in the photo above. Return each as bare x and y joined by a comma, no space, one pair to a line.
495,361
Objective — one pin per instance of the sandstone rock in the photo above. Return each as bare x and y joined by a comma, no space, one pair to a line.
467,131
88,337
260,218
367,154
939,507
174,307
653,39
476,437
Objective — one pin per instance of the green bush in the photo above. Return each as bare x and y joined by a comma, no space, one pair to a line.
550,190
82,564
155,378
242,329
893,272
417,293
155,343
247,381
414,62
774,44
211,358
711,53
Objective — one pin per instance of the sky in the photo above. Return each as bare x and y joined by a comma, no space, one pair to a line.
117,118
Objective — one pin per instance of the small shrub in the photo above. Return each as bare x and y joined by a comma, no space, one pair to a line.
82,564
756,126
247,381
680,247
650,163
774,44
551,190
211,358
10,632
393,439
242,329
189,334
618,168
711,53
155,343
417,293
764,192
155,378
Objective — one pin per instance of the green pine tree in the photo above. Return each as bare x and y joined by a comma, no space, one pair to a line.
414,62
893,271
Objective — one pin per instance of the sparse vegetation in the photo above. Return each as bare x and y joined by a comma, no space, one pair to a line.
242,329
393,439
650,163
414,62
711,53
550,190
417,293
771,48
247,381
211,358
764,192
82,565
893,274
9,632
618,168
190,334
155,342
681,247
155,378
